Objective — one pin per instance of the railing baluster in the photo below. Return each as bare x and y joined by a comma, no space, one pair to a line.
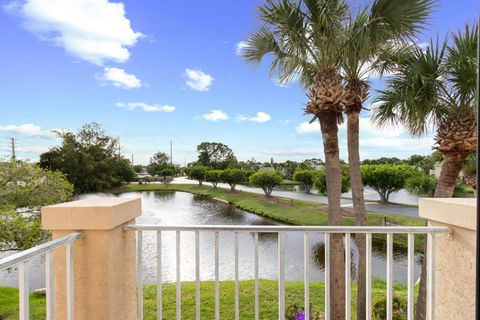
411,277
217,283
256,275
159,276
306,279
327,276
178,288
389,275
70,284
23,290
197,275
431,276
348,275
49,284
368,276
281,276
237,302
139,275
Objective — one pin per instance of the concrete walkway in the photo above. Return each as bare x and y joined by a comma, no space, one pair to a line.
372,206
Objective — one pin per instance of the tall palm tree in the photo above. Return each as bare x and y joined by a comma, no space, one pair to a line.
375,31
435,88
303,39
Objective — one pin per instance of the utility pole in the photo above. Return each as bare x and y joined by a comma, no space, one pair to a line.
171,159
119,147
12,145
132,159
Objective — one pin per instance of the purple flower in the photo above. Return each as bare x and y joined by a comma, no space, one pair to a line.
300,316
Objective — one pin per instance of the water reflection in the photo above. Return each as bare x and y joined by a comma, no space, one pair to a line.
178,208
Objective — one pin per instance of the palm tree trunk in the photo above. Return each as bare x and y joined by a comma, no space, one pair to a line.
329,129
353,125
451,167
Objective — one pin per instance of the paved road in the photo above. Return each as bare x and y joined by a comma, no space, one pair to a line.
396,209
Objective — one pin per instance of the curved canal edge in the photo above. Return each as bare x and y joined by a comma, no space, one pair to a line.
299,212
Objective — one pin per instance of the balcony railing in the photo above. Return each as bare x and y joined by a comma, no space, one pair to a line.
217,230
20,260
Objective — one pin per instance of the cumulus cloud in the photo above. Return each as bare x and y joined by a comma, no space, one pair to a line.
198,80
28,129
145,107
215,115
96,31
260,117
240,47
118,78
308,128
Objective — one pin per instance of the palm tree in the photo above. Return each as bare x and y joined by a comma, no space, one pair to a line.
375,31
309,41
303,39
435,88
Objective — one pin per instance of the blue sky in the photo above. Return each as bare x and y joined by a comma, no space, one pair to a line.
155,71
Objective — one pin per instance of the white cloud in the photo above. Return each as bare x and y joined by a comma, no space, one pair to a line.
215,115
308,128
119,78
260,117
92,30
146,107
198,80
367,127
28,129
240,47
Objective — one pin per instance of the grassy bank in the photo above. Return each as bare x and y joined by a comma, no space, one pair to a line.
267,298
301,213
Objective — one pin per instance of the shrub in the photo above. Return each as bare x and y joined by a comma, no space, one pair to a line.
266,180
197,173
213,176
233,177
306,177
399,308
422,185
320,183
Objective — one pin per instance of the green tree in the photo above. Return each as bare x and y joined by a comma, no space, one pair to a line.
306,177
421,184
24,188
124,171
387,178
138,168
89,159
214,177
233,177
320,182
216,155
266,180
197,173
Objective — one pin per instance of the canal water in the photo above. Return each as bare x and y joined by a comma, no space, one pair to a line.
179,208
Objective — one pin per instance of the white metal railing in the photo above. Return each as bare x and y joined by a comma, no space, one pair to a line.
281,231
21,261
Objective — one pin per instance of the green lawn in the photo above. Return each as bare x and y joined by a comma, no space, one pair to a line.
302,212
267,298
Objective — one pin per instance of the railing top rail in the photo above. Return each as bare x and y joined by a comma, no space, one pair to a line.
275,229
28,254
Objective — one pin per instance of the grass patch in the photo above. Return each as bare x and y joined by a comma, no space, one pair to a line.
9,304
302,213
267,299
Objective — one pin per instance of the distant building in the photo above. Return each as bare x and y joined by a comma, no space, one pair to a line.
267,169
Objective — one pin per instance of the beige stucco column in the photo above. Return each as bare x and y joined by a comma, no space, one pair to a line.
454,256
104,258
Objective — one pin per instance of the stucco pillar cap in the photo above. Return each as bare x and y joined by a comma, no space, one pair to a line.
91,214
460,212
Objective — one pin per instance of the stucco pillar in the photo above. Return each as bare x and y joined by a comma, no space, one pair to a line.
454,255
104,258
